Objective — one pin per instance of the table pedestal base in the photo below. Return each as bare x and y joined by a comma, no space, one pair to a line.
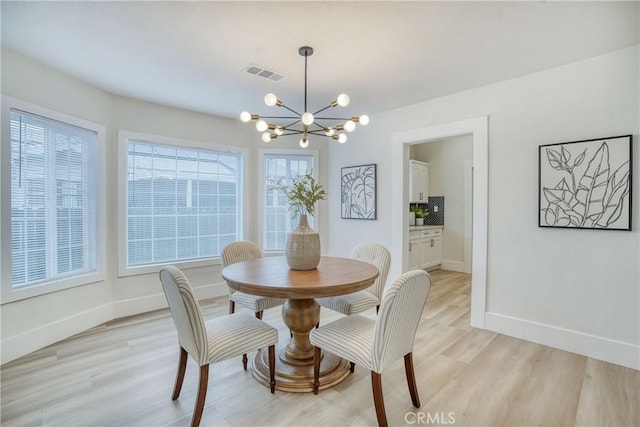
294,375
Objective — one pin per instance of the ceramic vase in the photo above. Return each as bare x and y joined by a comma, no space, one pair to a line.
303,246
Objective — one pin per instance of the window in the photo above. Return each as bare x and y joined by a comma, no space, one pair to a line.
182,203
54,199
278,220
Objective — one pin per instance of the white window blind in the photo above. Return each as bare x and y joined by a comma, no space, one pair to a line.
278,220
182,203
53,199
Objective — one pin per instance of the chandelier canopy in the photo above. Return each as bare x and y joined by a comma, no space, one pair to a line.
305,123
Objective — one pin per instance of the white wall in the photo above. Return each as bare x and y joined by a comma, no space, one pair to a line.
573,289
29,324
132,294
36,322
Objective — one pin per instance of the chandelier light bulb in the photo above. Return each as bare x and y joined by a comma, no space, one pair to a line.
266,137
304,142
261,125
245,117
343,100
330,132
270,99
307,119
350,126
342,138
364,120
279,130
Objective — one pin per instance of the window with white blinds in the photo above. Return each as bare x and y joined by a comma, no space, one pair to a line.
54,195
182,203
277,219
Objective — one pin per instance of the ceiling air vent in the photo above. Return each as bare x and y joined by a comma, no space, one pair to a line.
259,71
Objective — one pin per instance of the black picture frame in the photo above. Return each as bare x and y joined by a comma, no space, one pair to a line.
586,184
358,192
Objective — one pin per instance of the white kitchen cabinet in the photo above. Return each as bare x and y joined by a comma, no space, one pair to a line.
425,248
415,250
418,182
432,248
437,251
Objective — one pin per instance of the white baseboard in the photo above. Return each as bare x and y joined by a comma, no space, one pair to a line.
26,342
608,350
34,339
129,307
453,266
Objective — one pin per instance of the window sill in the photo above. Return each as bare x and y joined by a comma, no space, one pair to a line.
155,268
45,288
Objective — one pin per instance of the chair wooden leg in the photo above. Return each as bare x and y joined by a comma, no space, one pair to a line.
232,307
244,356
272,367
182,367
202,396
378,400
352,367
411,379
316,369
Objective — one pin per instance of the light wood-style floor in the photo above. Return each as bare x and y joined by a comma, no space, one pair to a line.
122,373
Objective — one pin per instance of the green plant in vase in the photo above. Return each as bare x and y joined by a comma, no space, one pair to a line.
420,214
303,194
302,249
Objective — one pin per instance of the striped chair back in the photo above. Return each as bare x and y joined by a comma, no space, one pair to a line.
379,256
398,318
186,313
241,250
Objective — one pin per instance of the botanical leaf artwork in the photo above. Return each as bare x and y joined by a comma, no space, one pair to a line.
586,184
359,192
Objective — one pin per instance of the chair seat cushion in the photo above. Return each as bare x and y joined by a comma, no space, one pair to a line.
234,334
255,302
350,337
348,304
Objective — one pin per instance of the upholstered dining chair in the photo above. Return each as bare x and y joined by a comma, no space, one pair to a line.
375,344
244,250
212,341
360,301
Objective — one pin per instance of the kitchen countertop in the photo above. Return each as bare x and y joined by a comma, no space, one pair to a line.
425,227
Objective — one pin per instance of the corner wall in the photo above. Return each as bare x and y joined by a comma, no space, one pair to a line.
33,323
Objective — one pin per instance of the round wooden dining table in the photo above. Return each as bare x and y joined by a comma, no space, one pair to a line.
272,277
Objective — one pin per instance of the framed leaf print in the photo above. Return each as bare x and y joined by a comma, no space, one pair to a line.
358,192
586,184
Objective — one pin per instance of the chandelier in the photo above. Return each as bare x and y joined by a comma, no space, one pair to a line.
305,123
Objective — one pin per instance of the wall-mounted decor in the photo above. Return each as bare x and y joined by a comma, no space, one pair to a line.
585,184
359,192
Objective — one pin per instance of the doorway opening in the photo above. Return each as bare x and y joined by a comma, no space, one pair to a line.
478,129
449,196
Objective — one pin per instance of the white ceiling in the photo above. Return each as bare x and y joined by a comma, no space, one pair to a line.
383,54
